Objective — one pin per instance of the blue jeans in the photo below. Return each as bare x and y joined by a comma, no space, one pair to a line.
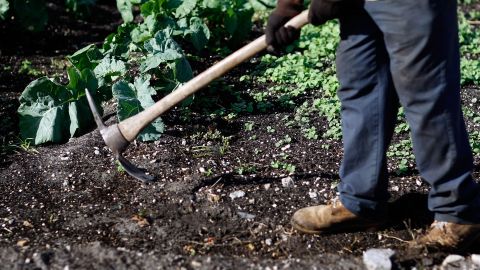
407,52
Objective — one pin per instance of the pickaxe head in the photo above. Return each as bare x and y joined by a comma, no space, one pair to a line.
115,140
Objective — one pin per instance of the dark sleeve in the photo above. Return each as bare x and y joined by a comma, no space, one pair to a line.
289,7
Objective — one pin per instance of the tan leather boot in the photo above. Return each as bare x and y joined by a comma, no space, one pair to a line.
333,217
449,236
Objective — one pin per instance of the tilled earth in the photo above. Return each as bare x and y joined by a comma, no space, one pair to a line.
217,201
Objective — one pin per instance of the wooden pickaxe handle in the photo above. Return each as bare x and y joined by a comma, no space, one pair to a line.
131,127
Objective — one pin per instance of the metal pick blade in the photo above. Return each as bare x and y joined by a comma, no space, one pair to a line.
134,171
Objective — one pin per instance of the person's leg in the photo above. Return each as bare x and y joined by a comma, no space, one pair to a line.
422,42
369,110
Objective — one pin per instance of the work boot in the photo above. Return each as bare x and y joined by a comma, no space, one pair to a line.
449,236
333,217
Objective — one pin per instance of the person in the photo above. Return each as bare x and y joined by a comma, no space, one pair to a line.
394,52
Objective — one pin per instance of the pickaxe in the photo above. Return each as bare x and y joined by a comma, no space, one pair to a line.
118,136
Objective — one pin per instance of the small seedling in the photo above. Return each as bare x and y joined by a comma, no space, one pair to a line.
120,168
249,126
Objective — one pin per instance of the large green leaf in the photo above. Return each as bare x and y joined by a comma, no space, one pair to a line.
212,4
51,112
199,33
4,7
161,49
108,70
182,70
134,98
31,14
118,44
185,8
238,24
125,8
86,58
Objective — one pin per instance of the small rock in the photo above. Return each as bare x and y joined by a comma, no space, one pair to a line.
96,152
454,261
286,147
312,194
237,194
246,215
378,259
287,182
268,242
23,242
196,264
213,197
26,223
476,259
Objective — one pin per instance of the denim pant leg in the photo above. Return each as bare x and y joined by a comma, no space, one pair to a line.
369,109
421,38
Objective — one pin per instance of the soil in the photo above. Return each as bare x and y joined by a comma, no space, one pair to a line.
69,206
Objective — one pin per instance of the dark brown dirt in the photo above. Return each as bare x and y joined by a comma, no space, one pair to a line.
70,206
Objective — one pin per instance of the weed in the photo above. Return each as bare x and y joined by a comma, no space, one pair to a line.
310,133
208,172
225,145
243,169
120,168
27,68
270,129
249,126
286,140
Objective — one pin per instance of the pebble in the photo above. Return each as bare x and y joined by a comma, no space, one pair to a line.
96,152
476,259
237,194
268,242
246,215
312,194
454,262
378,259
287,182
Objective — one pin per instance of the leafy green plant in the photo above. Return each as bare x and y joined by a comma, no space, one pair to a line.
138,63
51,112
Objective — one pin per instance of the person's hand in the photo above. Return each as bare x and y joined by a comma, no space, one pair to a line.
322,11
277,35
